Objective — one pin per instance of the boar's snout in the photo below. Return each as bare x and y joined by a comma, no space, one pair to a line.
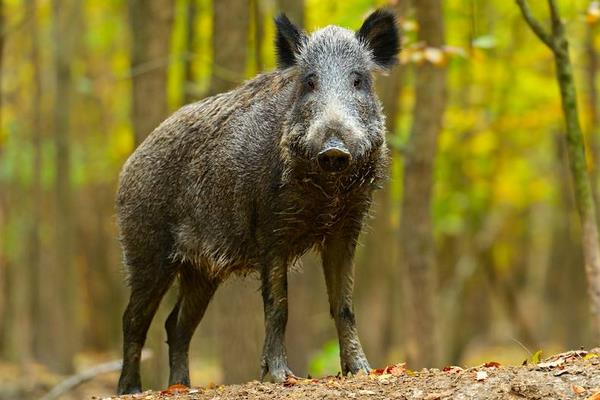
334,157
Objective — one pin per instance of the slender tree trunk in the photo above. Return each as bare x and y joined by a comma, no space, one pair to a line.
557,41
36,195
258,16
416,226
591,75
64,279
151,22
189,93
229,42
3,265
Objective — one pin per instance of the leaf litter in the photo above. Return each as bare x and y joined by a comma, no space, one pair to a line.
570,375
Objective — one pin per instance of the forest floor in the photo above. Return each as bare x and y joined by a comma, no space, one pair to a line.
570,375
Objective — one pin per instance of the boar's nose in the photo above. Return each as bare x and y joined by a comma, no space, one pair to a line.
334,157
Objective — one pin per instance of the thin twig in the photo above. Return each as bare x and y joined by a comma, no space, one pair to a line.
75,380
536,27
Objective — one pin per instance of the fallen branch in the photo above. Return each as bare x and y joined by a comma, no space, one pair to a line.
75,380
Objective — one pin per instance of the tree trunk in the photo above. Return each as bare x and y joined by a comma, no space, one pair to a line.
591,75
229,43
36,195
189,92
3,191
583,191
258,16
586,208
416,226
63,279
151,22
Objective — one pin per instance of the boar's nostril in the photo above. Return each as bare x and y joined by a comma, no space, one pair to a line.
334,159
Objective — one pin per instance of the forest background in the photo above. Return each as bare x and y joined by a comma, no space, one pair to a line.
474,249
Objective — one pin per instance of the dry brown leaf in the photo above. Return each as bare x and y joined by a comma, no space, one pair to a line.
577,389
175,389
290,381
492,364
452,368
595,396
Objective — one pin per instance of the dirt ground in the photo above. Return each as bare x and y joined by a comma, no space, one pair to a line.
571,375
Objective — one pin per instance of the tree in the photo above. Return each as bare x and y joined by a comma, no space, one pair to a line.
64,279
229,43
189,94
556,40
416,230
151,22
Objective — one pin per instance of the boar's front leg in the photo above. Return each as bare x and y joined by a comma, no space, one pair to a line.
337,255
274,292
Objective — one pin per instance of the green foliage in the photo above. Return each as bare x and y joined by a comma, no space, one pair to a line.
326,361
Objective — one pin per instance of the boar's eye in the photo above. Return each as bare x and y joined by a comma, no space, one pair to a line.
310,82
358,80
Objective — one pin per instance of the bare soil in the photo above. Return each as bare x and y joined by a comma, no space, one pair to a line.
571,375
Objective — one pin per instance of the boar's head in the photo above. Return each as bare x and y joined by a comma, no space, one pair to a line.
335,118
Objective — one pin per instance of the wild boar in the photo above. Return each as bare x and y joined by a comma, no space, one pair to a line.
250,180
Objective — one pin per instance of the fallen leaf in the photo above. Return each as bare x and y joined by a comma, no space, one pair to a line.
398,369
577,389
492,364
481,376
595,396
452,368
290,381
378,371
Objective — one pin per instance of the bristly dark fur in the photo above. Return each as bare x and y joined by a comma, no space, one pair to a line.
288,40
380,32
237,183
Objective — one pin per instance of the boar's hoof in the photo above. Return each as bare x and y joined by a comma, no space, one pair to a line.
129,390
275,373
354,366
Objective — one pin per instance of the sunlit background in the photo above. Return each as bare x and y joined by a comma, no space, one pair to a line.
509,276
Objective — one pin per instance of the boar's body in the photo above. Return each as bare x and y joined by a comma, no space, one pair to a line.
213,187
250,180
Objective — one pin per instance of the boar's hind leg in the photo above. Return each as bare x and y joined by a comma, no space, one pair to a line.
196,290
274,292
338,267
148,287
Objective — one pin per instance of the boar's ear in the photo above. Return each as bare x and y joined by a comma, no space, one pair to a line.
380,33
288,41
